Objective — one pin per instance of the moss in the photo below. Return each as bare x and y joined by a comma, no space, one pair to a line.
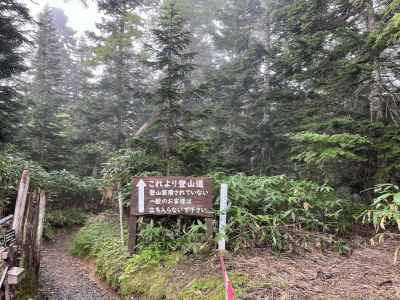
150,282
212,288
27,289
148,275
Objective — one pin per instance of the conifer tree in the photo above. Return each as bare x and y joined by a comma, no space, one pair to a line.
174,61
48,124
120,86
13,16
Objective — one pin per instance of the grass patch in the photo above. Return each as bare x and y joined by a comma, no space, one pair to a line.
212,287
148,275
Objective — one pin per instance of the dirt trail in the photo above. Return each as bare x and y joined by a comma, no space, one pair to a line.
64,277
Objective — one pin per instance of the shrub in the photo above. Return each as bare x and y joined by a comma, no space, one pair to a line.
125,163
60,185
261,206
189,238
384,212
62,218
330,154
66,217
12,164
67,186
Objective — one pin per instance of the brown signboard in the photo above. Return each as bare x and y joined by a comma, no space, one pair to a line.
159,196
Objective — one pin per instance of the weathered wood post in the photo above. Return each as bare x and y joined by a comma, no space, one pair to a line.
132,223
20,204
32,238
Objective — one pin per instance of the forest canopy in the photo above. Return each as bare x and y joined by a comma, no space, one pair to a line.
294,104
263,87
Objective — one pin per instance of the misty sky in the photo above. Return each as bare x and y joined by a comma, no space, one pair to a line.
81,18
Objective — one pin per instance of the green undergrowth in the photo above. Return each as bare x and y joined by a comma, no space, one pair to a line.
212,287
151,274
63,218
267,211
276,212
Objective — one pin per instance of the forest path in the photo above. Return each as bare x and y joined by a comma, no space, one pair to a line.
64,277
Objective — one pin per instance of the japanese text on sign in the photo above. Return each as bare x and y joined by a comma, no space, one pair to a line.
172,196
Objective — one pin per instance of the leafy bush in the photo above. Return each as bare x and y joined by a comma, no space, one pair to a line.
66,217
262,206
124,164
60,185
12,163
140,274
384,212
69,186
62,218
189,238
329,153
195,156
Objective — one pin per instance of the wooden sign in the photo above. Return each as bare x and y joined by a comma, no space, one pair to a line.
161,196
164,196
7,238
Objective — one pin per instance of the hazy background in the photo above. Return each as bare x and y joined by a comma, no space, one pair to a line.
80,17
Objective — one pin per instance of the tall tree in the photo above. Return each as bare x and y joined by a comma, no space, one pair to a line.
13,16
120,87
240,83
173,60
68,53
48,124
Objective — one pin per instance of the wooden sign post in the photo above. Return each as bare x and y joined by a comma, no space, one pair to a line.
166,196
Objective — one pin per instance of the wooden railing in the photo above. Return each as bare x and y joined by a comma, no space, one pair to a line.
20,240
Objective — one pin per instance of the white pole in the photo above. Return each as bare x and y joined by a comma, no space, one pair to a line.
42,210
121,212
223,205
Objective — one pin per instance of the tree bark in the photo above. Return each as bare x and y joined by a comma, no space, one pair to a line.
147,124
267,62
374,99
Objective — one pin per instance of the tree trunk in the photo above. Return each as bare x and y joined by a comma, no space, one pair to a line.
121,89
267,62
147,124
374,99
371,20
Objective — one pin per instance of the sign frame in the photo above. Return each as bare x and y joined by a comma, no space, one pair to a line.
181,196
198,196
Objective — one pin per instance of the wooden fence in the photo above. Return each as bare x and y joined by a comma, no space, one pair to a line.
20,241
